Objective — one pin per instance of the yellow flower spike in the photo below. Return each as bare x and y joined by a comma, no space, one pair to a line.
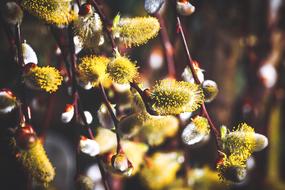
238,146
160,170
93,69
136,31
171,97
46,78
157,128
56,12
121,70
232,168
36,162
241,141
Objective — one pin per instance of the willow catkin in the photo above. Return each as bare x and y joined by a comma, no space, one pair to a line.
36,162
121,70
172,97
136,31
56,12
45,78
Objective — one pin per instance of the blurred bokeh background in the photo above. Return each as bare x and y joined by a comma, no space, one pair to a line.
239,43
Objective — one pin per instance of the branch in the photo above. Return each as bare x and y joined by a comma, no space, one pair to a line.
197,81
167,46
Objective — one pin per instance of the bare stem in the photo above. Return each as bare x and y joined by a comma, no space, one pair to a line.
114,118
197,81
168,48
24,107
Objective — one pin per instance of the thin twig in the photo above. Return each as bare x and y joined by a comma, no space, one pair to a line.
114,118
22,88
167,46
197,81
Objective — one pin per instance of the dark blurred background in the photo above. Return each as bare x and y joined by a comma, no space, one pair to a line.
239,44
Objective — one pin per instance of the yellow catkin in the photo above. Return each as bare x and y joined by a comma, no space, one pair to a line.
122,70
238,145
136,31
201,124
241,141
93,69
45,78
172,97
157,128
36,162
160,170
56,12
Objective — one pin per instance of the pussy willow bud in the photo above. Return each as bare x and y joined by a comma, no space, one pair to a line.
8,101
88,146
121,164
261,142
196,131
153,6
135,31
12,13
210,89
88,118
45,78
121,70
56,12
173,97
93,69
68,113
185,8
29,55
88,27
187,74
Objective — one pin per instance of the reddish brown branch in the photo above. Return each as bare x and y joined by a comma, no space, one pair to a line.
197,81
167,46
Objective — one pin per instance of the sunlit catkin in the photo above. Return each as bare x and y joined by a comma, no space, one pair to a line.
136,31
173,97
56,12
36,162
44,78
121,70
93,69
